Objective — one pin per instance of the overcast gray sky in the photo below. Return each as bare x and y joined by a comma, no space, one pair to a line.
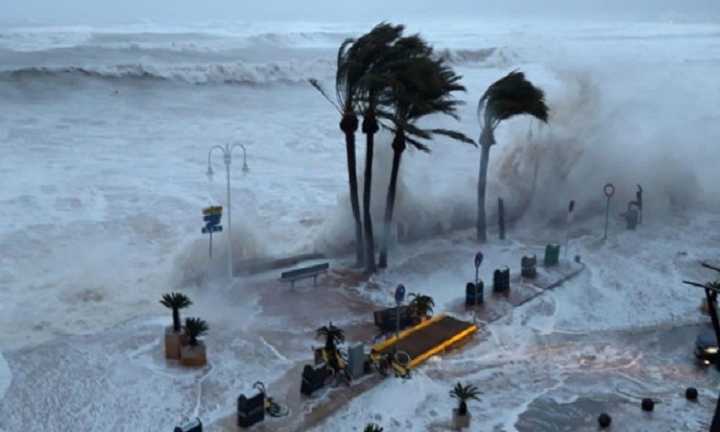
106,11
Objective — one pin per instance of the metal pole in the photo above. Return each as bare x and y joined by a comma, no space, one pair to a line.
607,217
210,248
227,157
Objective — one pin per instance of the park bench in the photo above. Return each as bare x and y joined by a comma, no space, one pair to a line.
304,273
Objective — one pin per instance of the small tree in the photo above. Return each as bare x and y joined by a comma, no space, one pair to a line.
421,305
372,427
334,336
463,394
175,301
195,328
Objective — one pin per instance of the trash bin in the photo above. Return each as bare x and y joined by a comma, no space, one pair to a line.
552,255
501,280
474,295
250,411
528,265
313,379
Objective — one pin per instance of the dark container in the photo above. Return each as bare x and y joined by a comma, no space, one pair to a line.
313,379
194,425
250,411
501,280
552,255
528,265
386,319
474,296
632,217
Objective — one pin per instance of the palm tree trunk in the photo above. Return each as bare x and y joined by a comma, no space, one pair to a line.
354,200
176,320
390,203
482,187
370,128
715,425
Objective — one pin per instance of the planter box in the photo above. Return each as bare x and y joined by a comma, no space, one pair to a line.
461,422
193,356
173,342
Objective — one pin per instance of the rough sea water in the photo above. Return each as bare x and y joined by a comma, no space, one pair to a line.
104,139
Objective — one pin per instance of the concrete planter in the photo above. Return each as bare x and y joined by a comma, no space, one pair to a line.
173,342
193,356
461,422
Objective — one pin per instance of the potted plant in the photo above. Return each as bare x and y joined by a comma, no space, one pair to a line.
194,352
421,306
372,427
174,335
461,416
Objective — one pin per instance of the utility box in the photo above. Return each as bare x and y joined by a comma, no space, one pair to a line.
250,411
356,361
552,255
501,280
194,425
528,267
474,295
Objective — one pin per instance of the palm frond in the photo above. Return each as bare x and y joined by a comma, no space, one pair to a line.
457,136
316,84
195,327
175,300
510,96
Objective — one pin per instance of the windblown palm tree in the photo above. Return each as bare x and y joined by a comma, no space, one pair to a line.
195,328
463,394
372,427
348,76
419,85
358,83
175,301
508,97
378,54
421,305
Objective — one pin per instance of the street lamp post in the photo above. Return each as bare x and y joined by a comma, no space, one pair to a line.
227,150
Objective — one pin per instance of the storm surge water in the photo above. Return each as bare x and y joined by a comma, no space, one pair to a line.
105,135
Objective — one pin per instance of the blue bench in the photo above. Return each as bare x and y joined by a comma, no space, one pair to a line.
304,273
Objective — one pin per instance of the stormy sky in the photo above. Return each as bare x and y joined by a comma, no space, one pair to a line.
105,11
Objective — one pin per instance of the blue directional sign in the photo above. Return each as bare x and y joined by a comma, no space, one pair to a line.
212,229
213,219
399,294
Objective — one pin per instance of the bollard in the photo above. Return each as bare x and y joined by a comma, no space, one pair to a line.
528,265
501,280
691,394
604,420
474,296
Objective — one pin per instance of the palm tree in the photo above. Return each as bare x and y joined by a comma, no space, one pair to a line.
508,97
175,301
372,427
377,49
334,336
347,81
421,305
463,394
419,85
195,328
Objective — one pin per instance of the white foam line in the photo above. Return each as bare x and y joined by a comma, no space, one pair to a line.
274,350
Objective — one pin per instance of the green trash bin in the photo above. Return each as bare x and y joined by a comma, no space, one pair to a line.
552,255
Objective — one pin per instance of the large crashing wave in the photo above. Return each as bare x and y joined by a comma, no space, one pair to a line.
239,73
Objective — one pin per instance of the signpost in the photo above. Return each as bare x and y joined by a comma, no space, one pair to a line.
399,297
609,191
212,217
478,262
570,217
